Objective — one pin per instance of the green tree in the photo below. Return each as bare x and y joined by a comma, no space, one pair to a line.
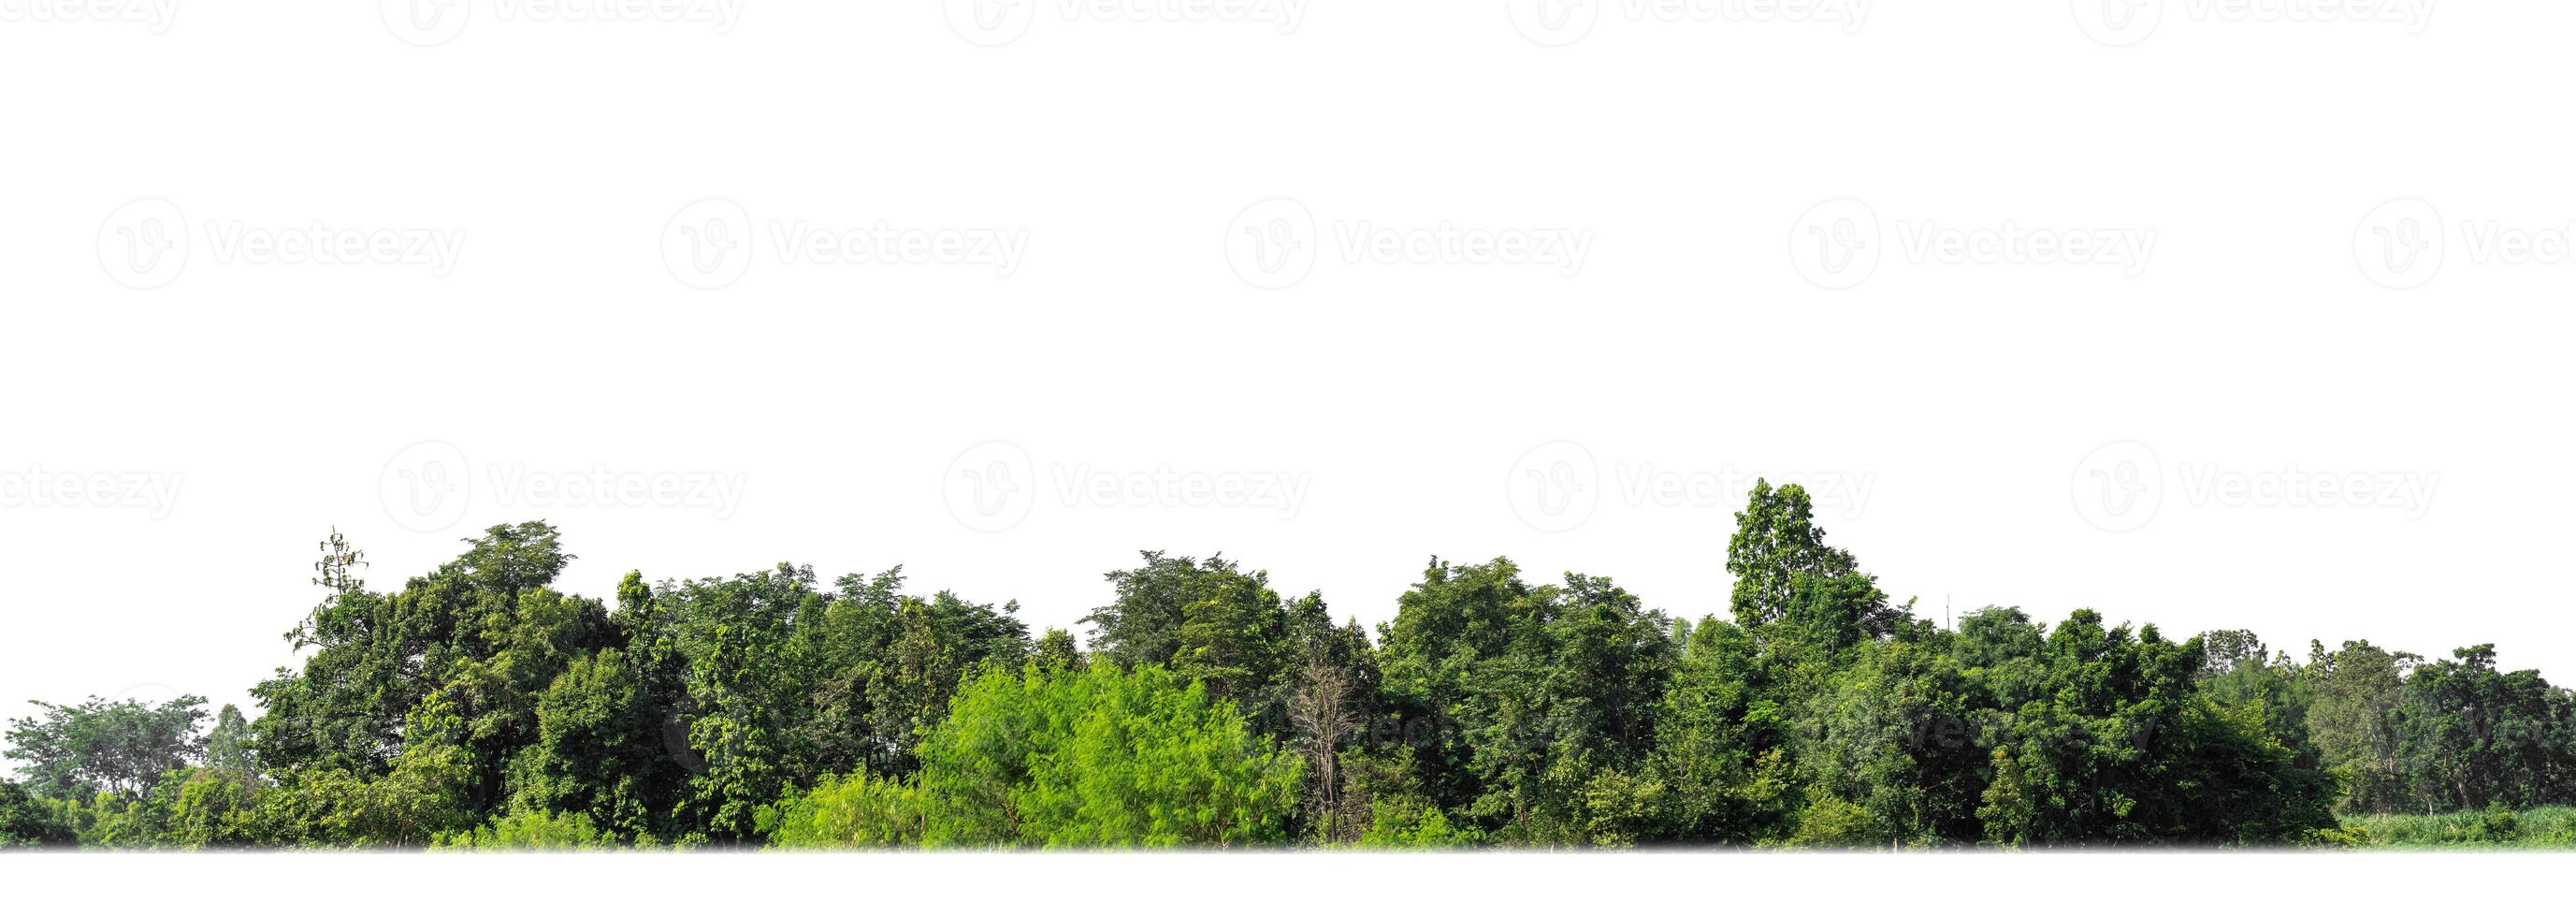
120,747
1101,758
29,821
1535,692
1212,621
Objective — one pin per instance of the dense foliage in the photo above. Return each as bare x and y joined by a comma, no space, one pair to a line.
478,706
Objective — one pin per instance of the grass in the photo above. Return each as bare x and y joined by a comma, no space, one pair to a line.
2544,827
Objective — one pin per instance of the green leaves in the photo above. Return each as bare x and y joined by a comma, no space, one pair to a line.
479,707
1102,758
119,747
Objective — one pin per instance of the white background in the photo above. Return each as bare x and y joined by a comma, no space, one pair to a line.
1961,406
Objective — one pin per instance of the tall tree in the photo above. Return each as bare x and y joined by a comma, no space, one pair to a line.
120,747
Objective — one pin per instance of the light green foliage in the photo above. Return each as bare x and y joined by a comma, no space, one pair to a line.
1412,824
1102,758
847,812
2551,827
531,831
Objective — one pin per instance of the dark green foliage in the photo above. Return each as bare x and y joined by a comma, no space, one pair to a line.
480,707
1211,621
1540,700
30,821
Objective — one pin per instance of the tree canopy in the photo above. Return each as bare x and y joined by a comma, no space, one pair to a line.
480,706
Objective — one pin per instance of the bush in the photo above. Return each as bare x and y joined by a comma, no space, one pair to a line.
846,812
530,831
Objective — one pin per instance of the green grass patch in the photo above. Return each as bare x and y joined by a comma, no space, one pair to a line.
2544,827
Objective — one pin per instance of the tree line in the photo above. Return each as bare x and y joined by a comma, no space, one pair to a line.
479,706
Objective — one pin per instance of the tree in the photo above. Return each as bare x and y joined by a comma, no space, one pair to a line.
2109,743
27,821
1101,758
2473,736
118,747
1536,692
228,746
2353,721
1213,622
